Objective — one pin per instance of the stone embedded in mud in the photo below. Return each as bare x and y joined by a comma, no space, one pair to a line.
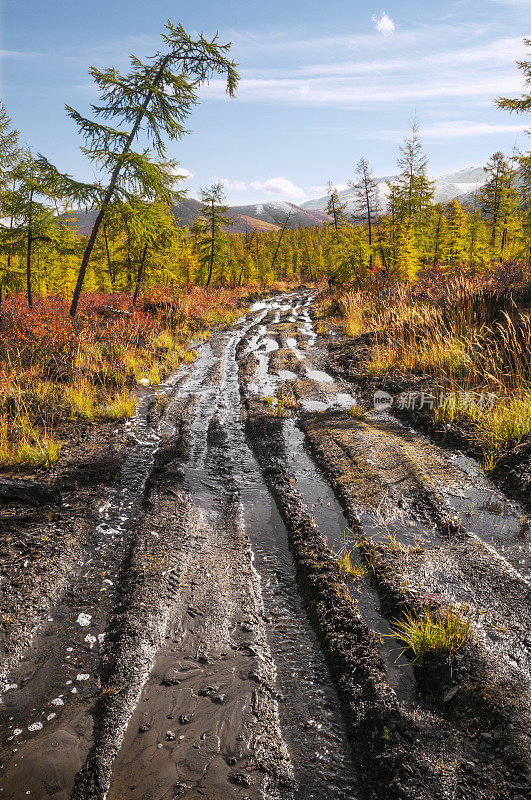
144,727
239,779
171,678
219,698
184,719
170,736
451,694
209,691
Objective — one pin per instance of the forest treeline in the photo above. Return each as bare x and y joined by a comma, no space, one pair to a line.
134,243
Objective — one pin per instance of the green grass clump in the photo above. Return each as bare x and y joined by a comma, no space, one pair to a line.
357,412
433,632
122,407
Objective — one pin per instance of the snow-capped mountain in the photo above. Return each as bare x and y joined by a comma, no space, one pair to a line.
463,185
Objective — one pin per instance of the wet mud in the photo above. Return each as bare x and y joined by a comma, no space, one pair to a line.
180,625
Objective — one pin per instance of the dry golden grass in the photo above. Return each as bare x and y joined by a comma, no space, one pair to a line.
478,355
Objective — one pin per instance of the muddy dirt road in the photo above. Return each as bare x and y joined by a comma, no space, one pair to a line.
193,636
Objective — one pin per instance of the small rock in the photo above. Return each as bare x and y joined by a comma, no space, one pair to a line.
239,779
171,678
451,694
209,691
184,719
170,736
144,727
231,761
497,733
219,698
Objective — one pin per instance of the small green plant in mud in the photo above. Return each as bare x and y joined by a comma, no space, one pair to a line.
489,463
357,412
121,407
438,632
349,566
280,408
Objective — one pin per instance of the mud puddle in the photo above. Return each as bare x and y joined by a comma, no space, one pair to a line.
337,534
310,716
46,721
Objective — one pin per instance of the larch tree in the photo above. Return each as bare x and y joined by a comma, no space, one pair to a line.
413,190
498,201
522,105
10,154
366,198
154,99
335,209
213,240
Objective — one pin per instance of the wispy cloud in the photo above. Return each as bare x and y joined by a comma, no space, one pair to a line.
231,185
384,24
280,186
453,129
458,129
183,172
19,55
501,51
342,91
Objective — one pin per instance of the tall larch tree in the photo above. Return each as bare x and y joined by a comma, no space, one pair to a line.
155,98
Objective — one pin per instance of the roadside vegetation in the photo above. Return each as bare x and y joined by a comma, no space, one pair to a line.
57,371
433,633
468,339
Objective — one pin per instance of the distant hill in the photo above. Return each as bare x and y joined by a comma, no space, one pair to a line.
270,216
275,213
462,185
260,216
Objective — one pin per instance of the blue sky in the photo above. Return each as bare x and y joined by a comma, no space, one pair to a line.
322,83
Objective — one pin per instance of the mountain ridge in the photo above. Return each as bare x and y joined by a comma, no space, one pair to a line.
463,185
271,215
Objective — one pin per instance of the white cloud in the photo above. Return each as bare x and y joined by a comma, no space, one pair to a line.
448,130
453,129
183,172
502,51
279,186
323,189
235,186
384,24
339,90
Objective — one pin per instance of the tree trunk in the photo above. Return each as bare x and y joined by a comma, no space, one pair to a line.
212,231
110,190
139,276
280,239
28,254
111,276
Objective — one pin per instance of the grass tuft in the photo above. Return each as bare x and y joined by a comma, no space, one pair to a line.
433,632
